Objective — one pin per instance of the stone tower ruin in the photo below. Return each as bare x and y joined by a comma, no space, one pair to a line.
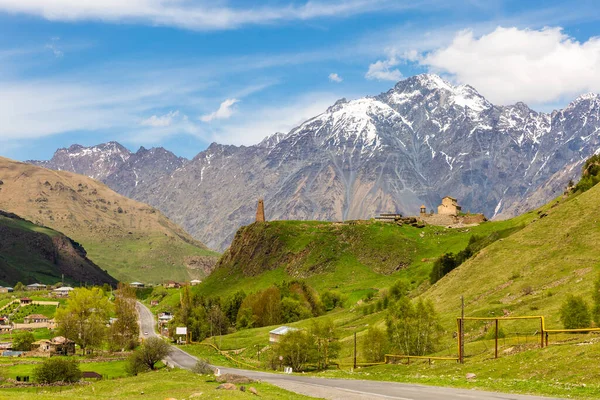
260,211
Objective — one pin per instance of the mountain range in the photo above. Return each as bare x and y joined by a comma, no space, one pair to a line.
423,139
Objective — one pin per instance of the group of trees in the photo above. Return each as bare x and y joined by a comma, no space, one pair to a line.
85,317
148,355
316,346
284,303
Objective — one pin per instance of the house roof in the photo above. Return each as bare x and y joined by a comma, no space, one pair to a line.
25,299
449,197
64,289
36,285
196,280
61,340
136,283
282,330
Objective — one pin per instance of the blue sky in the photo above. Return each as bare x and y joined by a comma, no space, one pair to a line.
184,73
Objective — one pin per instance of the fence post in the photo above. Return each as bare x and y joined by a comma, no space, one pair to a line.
496,337
541,333
354,350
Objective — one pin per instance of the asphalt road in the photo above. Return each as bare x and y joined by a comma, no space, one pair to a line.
334,389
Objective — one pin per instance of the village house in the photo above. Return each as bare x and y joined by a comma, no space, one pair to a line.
172,285
153,303
25,301
35,319
195,282
58,345
276,334
449,206
137,285
62,291
5,289
36,286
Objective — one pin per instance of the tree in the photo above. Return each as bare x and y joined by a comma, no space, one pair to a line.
574,313
413,328
124,332
219,323
331,300
19,287
145,358
375,344
297,349
57,370
327,341
232,306
292,310
596,299
22,341
84,318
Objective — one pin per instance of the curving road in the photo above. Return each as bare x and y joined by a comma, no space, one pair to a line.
334,389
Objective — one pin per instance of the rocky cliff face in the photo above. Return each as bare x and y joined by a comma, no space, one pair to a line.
412,145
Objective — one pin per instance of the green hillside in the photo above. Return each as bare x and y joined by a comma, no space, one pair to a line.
353,257
31,253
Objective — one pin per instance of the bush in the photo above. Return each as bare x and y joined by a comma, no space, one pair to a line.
57,370
297,348
202,367
574,313
22,341
413,328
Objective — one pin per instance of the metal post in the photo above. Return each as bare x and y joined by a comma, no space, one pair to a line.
354,350
496,337
546,339
541,333
462,329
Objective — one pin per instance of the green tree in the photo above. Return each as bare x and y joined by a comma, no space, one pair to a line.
596,299
22,341
331,300
151,352
292,310
297,348
574,313
374,344
125,331
327,342
232,306
413,328
84,317
218,321
19,287
57,370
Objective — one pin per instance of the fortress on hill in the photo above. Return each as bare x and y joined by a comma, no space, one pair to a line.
449,213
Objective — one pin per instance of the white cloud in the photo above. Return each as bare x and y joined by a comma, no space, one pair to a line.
252,126
196,15
161,121
225,111
381,70
53,46
511,64
334,77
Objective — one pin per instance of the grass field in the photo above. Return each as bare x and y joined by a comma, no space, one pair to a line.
157,385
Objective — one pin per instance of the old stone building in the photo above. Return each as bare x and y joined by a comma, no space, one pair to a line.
449,206
260,211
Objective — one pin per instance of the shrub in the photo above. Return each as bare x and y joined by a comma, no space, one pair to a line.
413,328
574,313
22,341
202,367
57,370
331,300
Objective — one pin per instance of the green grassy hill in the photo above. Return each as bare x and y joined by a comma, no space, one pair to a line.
131,240
353,258
31,253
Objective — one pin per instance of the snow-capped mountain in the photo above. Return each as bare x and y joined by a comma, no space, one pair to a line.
423,139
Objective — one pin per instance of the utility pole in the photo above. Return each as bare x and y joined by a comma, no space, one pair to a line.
354,350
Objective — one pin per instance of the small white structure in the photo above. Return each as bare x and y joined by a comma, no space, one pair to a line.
195,282
63,291
276,334
36,286
137,284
